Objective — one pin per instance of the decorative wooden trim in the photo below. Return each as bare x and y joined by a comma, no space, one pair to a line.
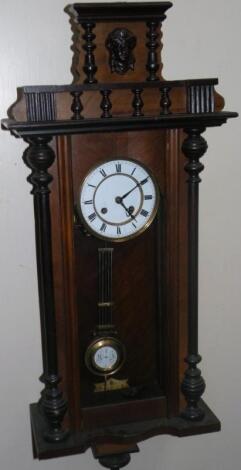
39,156
43,103
193,385
118,11
89,68
106,104
165,100
200,99
41,106
63,148
124,39
152,44
137,102
172,274
130,123
115,461
119,85
77,106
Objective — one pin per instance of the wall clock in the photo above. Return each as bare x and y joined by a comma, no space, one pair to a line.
115,172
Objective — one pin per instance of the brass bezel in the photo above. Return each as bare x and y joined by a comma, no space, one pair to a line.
142,229
98,343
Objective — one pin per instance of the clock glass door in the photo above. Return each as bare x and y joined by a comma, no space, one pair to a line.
119,213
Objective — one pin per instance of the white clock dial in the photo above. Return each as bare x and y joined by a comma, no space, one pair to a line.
118,199
105,358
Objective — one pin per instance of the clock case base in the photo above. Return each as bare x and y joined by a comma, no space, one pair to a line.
119,435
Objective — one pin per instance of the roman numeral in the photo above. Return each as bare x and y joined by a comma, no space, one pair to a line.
89,202
133,171
118,168
92,217
103,227
91,185
144,213
118,230
103,173
149,196
133,225
144,181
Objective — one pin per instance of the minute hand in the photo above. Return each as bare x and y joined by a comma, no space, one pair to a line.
136,186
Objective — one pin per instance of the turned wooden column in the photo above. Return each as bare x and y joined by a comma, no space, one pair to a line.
193,385
39,156
76,106
90,67
152,44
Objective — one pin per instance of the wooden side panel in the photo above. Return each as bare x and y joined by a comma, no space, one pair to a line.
64,277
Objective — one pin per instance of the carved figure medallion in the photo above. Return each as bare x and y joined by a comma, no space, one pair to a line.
120,44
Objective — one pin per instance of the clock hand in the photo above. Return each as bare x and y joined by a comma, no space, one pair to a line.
126,209
127,194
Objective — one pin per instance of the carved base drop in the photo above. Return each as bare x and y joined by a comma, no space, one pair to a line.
115,462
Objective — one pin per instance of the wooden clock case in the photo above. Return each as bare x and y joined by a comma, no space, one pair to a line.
117,107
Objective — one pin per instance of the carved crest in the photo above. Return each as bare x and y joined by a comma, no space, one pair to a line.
120,44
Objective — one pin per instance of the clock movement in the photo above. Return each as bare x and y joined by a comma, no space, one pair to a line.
115,172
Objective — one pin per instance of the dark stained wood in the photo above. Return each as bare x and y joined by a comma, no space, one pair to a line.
76,105
39,156
129,434
115,461
89,46
103,449
182,263
152,44
106,104
194,147
123,123
119,11
165,100
137,102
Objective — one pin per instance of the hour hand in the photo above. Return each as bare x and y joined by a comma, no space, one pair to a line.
119,201
127,210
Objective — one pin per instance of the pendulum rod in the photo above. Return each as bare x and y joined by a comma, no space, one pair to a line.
105,303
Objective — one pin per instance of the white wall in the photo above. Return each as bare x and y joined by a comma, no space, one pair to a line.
202,39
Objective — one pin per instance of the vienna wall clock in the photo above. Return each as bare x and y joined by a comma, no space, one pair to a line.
115,172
